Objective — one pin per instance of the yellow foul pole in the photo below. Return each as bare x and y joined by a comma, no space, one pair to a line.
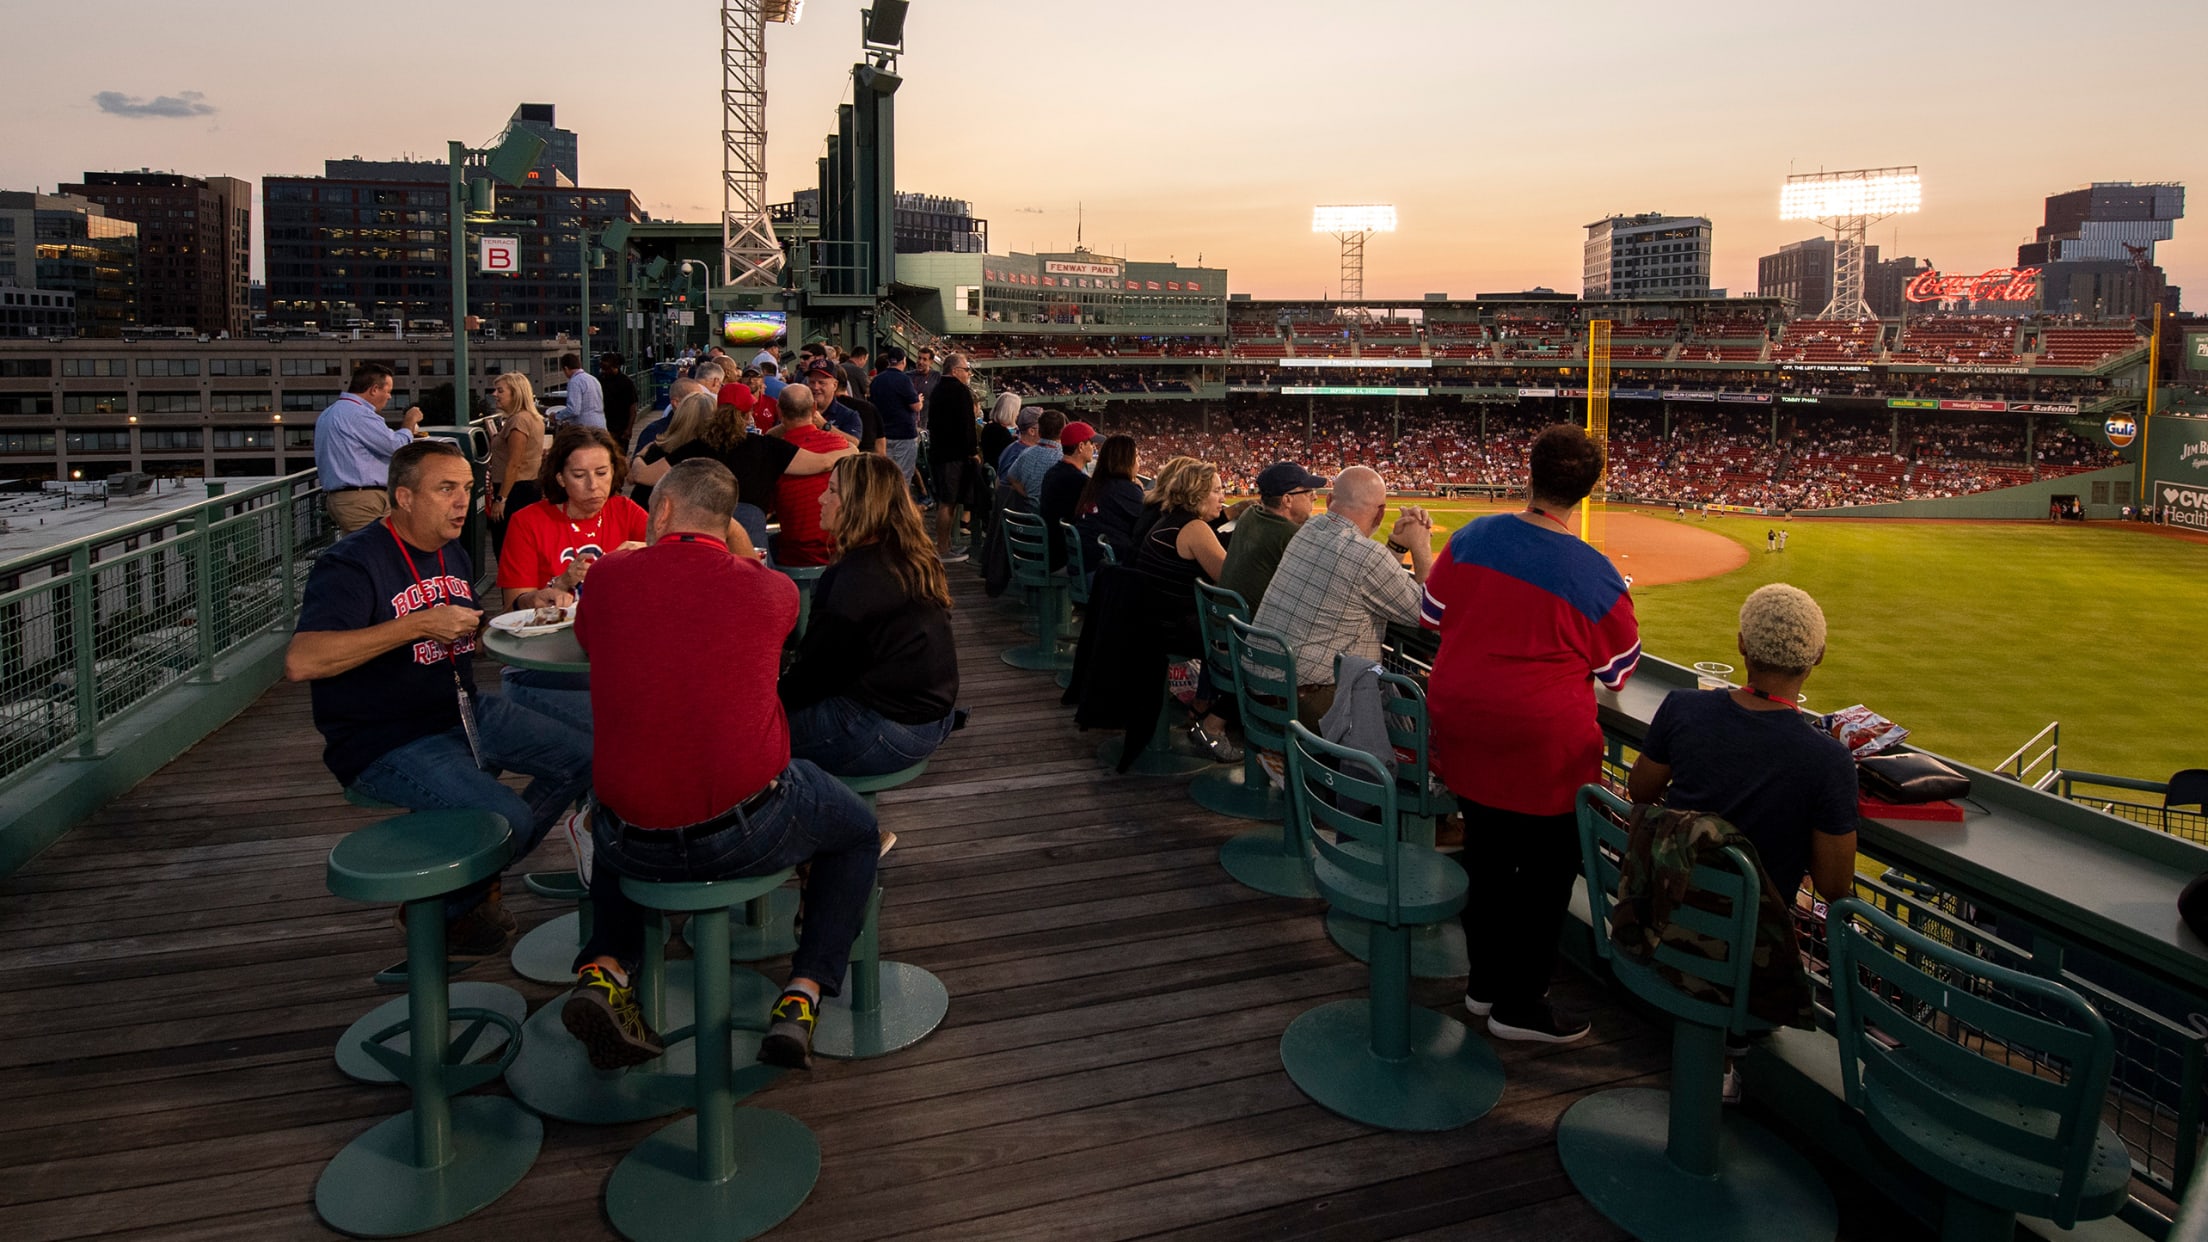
1593,509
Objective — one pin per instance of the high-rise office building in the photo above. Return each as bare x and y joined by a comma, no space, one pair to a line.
195,237
64,244
1650,255
1802,271
561,161
2096,249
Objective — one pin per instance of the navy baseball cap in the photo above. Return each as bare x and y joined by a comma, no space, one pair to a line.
1283,477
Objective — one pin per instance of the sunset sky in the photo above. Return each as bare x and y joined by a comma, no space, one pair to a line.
1204,127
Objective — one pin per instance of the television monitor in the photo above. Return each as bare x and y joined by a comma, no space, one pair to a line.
755,328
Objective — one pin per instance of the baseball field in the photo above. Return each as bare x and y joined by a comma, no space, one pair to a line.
1974,635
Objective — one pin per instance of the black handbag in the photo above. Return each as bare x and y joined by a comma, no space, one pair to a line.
1906,778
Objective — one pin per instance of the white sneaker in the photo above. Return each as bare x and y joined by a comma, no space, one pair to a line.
577,828
952,557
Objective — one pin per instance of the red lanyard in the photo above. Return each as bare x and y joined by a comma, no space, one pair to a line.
1552,517
1768,697
452,651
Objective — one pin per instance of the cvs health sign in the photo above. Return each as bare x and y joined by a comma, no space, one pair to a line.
498,255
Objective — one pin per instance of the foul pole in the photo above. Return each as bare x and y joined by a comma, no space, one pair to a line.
1593,509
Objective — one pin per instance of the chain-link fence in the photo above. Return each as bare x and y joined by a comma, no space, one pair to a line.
93,629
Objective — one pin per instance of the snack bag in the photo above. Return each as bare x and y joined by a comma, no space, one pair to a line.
1863,731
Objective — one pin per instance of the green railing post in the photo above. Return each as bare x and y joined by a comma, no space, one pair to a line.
201,555
81,640
287,550
2187,1157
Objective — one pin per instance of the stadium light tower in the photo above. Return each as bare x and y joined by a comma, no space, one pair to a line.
750,255
1851,202
1351,226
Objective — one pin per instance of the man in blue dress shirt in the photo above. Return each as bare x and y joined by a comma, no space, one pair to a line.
353,447
586,400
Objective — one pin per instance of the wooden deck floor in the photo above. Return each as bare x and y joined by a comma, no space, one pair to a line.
1108,1070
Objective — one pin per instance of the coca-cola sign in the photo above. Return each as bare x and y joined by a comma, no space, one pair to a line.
2002,284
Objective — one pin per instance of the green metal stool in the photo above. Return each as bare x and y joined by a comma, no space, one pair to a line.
1380,1060
1437,949
1246,792
884,1006
765,927
1159,756
444,1157
1276,862
1028,541
1666,1165
394,975
1077,586
804,576
2001,1138
723,1172
546,953
554,1076
868,786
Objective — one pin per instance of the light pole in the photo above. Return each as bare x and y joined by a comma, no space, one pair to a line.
508,161
706,341
612,240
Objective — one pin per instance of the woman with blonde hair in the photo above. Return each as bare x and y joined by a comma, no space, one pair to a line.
875,683
1179,550
517,452
702,426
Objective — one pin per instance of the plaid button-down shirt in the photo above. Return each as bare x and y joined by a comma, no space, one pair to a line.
1334,594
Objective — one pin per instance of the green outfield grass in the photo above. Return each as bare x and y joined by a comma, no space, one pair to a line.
1975,635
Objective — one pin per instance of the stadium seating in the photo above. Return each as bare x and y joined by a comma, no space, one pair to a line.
2084,347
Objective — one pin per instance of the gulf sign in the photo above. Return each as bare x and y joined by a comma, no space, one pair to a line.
2121,431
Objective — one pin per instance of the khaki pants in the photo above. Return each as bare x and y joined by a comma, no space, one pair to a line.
1312,704
355,509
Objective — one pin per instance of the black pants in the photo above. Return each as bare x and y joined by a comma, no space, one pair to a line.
1520,869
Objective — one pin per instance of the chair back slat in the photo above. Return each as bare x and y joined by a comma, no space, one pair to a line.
1907,1009
1077,568
1028,542
1352,794
1215,605
1265,683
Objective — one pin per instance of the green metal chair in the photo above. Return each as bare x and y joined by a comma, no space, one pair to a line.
805,576
1077,584
445,1157
1437,950
1246,792
1028,541
723,1172
2008,1122
1380,1060
1268,860
1676,1165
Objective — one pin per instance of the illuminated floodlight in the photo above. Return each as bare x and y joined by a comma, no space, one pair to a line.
1850,201
1866,192
1351,225
1370,218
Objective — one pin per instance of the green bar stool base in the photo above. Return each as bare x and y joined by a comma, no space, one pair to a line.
355,1063
1153,761
1437,949
394,975
777,937
654,1194
1260,860
1064,679
558,885
372,1188
546,954
912,1004
553,1075
1228,791
1038,658
1449,1079
1612,1147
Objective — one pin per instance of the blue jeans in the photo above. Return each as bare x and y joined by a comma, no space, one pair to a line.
754,521
436,773
810,817
847,739
562,696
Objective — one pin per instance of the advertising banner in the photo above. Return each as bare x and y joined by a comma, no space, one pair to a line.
1979,407
1911,403
1328,390
2196,351
1679,394
2187,505
1746,398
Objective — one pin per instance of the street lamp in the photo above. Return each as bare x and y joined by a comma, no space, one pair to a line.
612,240
686,265
509,162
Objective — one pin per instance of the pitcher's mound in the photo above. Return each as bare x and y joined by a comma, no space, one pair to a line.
1655,550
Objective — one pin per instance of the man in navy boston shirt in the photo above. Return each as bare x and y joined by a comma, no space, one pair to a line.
898,403
387,633
353,447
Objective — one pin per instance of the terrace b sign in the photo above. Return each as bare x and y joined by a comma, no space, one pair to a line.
2002,284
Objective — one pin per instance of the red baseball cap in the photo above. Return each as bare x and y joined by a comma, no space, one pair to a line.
738,395
1075,435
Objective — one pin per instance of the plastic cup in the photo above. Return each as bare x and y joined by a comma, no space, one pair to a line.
1711,675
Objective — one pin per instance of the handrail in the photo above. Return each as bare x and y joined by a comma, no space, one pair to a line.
45,557
2016,765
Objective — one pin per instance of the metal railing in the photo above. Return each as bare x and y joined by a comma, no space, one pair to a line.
2024,761
2092,789
94,629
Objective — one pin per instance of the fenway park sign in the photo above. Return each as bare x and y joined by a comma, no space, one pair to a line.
2002,284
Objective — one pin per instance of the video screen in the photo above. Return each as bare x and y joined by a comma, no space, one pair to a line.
755,328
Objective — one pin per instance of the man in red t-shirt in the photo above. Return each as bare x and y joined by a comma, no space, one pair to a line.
797,497
685,641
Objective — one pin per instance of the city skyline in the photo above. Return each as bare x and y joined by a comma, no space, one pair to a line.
1173,132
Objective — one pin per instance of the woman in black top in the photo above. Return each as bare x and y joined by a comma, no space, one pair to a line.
1179,550
1111,504
876,677
723,432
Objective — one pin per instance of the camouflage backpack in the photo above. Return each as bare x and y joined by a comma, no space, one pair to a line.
1663,848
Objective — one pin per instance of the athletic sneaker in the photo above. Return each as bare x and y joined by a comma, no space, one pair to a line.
602,1014
1539,1023
1475,1006
1221,749
952,557
1731,1092
576,824
789,1039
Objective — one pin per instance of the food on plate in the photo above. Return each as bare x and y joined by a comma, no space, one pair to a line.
548,614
